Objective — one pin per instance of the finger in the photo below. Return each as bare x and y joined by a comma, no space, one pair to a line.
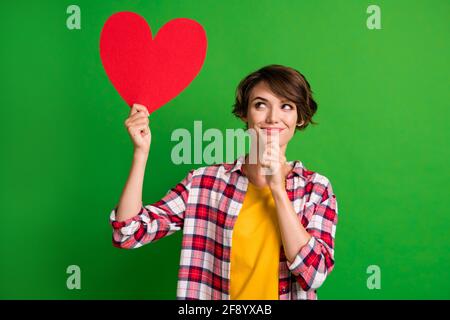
271,162
269,135
271,154
260,141
273,136
265,163
138,129
272,145
139,122
134,109
261,135
145,131
137,116
275,150
272,149
272,157
138,108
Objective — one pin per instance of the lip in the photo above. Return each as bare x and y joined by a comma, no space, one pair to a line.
273,129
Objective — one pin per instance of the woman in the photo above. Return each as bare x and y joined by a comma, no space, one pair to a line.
248,233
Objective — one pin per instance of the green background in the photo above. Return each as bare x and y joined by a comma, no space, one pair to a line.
382,139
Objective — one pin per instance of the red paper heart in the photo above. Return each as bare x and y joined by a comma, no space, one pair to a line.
151,71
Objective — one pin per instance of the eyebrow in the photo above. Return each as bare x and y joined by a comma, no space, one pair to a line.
264,99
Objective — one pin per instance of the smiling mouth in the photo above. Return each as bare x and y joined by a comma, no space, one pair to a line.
270,130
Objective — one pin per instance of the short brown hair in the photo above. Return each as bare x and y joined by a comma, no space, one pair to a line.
285,82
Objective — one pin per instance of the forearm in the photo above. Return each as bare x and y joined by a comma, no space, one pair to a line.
293,234
131,199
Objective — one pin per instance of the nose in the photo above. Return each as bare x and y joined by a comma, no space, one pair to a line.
272,115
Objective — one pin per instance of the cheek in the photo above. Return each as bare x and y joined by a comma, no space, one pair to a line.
291,120
292,127
294,118
254,117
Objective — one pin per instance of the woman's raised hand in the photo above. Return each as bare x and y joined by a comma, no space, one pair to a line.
137,125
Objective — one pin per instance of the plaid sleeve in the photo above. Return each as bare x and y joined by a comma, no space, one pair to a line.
315,260
154,221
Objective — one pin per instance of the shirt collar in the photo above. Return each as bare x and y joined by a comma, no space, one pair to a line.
298,167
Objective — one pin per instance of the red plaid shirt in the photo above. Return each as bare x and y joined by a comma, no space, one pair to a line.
206,204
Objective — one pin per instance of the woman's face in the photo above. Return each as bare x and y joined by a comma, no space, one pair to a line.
271,113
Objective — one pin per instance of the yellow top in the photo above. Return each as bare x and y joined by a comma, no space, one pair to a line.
255,248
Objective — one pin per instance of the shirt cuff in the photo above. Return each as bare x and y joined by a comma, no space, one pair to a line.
128,227
306,257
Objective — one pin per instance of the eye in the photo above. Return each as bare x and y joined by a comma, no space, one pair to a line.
288,105
258,104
